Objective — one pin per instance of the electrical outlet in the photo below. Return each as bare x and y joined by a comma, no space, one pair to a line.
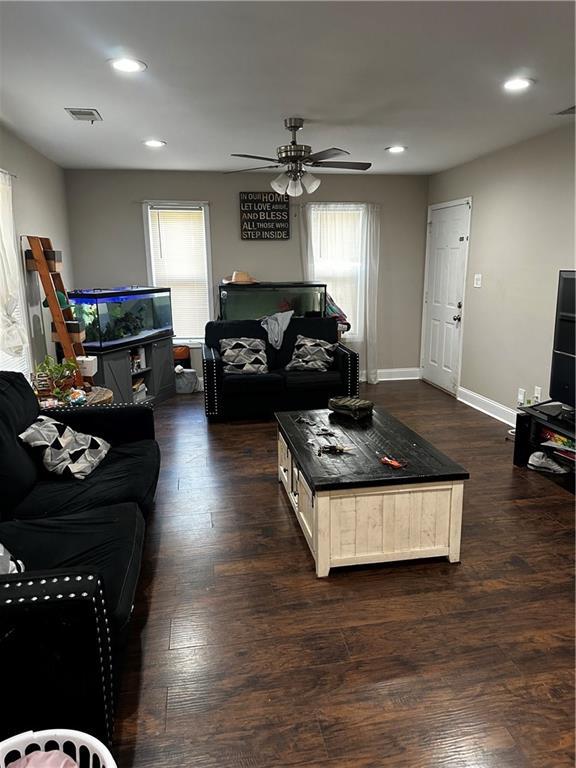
478,281
521,396
537,395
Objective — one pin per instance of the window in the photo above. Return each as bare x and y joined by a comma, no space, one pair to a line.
178,253
336,256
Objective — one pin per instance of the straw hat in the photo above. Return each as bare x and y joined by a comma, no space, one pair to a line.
239,277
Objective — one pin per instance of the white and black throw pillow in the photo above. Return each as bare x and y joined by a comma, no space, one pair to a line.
311,355
66,452
8,563
244,355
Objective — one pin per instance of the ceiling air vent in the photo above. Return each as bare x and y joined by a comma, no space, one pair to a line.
569,111
87,115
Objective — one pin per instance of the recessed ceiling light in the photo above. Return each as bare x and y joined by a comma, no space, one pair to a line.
518,84
155,143
128,65
396,149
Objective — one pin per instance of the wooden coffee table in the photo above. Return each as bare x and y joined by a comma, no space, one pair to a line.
354,510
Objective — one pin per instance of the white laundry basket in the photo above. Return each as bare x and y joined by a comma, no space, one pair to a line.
87,751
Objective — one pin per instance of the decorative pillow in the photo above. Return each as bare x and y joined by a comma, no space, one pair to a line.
66,452
311,355
244,355
8,563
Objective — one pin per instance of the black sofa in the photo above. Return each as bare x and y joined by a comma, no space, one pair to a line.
229,396
64,621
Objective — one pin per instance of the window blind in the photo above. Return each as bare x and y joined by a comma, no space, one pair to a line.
179,260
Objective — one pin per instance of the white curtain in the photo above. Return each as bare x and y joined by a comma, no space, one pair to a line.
340,245
13,335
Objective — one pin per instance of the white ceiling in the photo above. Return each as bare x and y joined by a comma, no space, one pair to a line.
222,76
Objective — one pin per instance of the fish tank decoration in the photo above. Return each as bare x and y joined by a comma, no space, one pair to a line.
119,317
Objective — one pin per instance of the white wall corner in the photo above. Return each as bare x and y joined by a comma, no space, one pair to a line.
490,407
395,374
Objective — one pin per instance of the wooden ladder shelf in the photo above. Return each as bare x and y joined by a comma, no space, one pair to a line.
52,282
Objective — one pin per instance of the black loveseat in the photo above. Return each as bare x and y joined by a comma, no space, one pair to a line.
228,396
63,622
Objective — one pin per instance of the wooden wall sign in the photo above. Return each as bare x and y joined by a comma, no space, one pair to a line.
264,216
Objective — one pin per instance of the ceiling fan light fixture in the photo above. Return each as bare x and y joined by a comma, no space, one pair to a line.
518,84
294,187
129,65
280,183
396,149
310,182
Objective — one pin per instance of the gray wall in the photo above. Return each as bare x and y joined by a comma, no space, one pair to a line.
522,234
107,235
39,209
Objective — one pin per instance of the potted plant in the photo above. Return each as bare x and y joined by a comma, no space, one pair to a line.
58,378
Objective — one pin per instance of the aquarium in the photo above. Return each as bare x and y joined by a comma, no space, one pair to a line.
119,317
251,301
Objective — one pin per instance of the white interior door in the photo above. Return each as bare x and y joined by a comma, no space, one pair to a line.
447,254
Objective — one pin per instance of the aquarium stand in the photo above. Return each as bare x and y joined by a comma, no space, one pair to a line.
151,381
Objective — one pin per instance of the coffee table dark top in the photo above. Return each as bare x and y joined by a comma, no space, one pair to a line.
367,440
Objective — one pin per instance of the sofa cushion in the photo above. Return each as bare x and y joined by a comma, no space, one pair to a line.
128,473
18,409
248,384
329,380
244,356
107,540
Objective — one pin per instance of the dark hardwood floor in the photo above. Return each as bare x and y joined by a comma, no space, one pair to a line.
241,658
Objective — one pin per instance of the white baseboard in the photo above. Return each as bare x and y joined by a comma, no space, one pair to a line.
395,374
490,407
399,374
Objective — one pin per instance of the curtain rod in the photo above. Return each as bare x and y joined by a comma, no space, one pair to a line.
2,170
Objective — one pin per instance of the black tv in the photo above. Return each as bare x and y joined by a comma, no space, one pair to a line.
562,379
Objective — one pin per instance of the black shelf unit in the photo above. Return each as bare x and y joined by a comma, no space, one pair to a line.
530,423
115,370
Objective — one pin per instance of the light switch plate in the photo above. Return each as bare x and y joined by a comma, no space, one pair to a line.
478,281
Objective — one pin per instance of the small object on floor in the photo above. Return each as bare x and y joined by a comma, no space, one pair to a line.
543,463
351,406
325,432
390,461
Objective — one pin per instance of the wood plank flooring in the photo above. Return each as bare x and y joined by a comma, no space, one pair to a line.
241,658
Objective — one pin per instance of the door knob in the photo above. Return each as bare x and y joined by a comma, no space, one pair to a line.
457,318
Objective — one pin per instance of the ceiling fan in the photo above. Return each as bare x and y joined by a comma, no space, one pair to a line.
296,158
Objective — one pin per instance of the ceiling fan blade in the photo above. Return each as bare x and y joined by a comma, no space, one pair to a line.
326,154
256,168
351,166
257,157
